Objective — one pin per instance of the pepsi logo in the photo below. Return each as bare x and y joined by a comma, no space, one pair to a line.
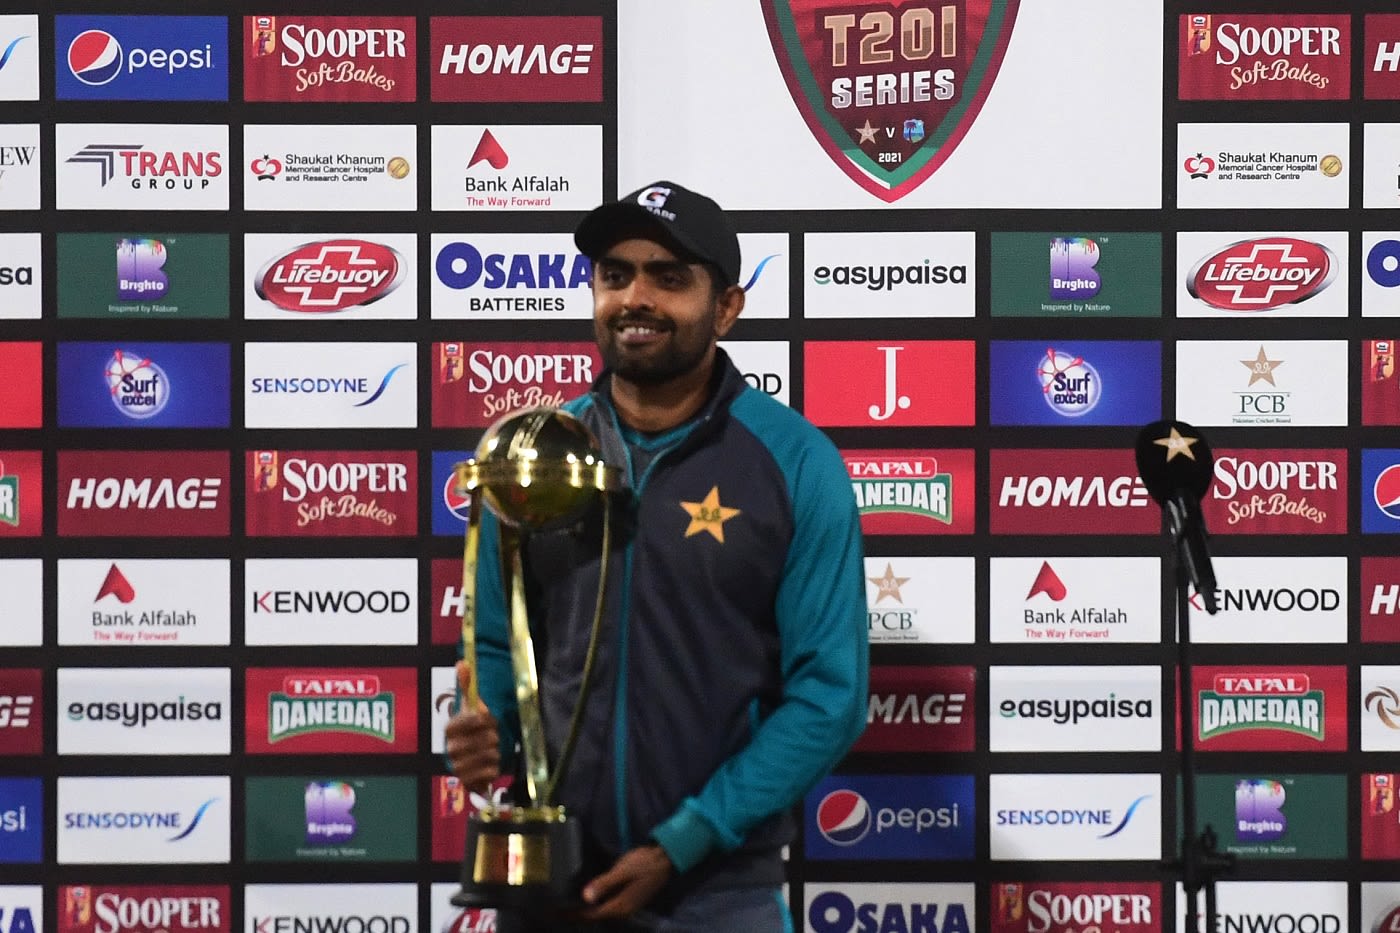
843,818
95,57
1386,491
457,502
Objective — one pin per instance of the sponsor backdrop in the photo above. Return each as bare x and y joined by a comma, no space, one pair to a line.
265,276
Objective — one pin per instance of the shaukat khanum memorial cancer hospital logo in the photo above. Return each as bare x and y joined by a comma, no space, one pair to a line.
889,92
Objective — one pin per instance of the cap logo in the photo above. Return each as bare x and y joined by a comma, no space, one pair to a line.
654,200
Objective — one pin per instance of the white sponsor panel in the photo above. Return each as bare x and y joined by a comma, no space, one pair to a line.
143,820
330,385
143,711
1263,280
1381,147
764,275
330,276
1075,709
517,167
1380,906
508,276
1274,906
120,602
1265,165
142,166
921,600
21,274
444,687
1380,274
348,908
894,275
446,918
340,167
1076,600
1380,708
923,906
22,908
19,75
1037,817
20,155
22,609
764,363
1302,383
324,601
1274,600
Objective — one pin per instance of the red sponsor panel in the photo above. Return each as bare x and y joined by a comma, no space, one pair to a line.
1380,599
476,384
1380,817
325,276
146,493
1380,383
1380,62
1272,56
516,58
1251,276
890,383
143,908
1069,492
921,709
1076,907
21,493
23,366
913,492
446,605
1277,492
299,493
451,806
21,711
304,710
1274,708
329,58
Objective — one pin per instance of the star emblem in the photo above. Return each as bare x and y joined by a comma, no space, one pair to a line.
1176,444
888,585
1261,368
708,515
867,133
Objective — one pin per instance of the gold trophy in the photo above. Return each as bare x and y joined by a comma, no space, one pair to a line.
535,469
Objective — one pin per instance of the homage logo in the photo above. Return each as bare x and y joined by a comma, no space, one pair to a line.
22,582
1072,709
369,601
912,491
1380,599
517,58
920,600
895,383
1248,165
1301,708
143,711
330,385
1268,600
120,602
22,364
21,711
21,820
478,383
1085,382
928,709
143,493
1065,906
144,821
346,908
351,492
919,817
1073,600
1314,906
448,604
880,275
294,711
763,363
21,493
293,277
851,908
1264,57
1078,275
142,275
143,166
1037,817
1381,57
155,385
329,58
510,275
1278,492
21,273
19,57
1243,382
1281,275
517,167
1069,492
1275,816
141,57
345,167
163,908
19,166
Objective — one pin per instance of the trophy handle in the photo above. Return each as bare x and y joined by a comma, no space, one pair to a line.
471,696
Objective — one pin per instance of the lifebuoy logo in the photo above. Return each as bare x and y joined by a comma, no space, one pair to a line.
1262,274
1238,56
294,711
477,383
1298,708
321,277
912,491
21,711
143,493
1069,492
163,908
1278,492
517,58
1062,906
349,492
329,58
920,708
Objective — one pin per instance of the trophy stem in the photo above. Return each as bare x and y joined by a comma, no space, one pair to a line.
471,697
527,682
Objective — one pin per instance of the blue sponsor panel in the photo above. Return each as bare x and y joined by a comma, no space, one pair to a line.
143,385
891,817
21,820
449,508
1080,382
141,58
1380,491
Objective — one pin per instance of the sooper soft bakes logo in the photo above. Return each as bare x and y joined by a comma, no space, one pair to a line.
164,908
891,817
352,492
1236,56
292,711
1061,907
1278,492
329,58
474,384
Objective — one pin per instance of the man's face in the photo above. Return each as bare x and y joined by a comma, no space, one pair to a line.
655,317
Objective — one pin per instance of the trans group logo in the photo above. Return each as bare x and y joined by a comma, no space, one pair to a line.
150,166
913,817
155,385
1380,818
141,57
1091,382
294,711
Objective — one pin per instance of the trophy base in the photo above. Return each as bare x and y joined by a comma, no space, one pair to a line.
529,860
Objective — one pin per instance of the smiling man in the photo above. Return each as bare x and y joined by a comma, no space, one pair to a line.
732,662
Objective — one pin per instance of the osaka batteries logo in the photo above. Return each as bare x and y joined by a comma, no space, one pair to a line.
844,818
325,276
95,57
1262,274
138,386
1070,385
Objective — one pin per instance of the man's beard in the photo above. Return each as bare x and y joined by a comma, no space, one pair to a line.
684,350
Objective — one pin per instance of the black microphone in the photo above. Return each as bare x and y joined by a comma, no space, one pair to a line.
1176,466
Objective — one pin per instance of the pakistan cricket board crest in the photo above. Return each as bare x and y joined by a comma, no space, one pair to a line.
889,88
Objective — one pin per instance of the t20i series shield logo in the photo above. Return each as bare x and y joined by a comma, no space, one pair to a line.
889,89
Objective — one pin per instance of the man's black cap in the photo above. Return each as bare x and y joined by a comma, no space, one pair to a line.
691,225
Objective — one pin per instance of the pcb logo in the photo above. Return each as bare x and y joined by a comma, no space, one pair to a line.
889,91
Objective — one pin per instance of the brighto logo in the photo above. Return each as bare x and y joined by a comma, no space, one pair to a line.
324,385
886,278
1070,712
141,714
140,389
138,819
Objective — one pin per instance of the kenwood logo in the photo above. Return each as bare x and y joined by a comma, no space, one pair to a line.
353,602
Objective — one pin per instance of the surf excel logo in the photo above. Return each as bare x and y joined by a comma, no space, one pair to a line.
141,57
1298,708
923,817
155,385
912,491
294,711
1079,383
